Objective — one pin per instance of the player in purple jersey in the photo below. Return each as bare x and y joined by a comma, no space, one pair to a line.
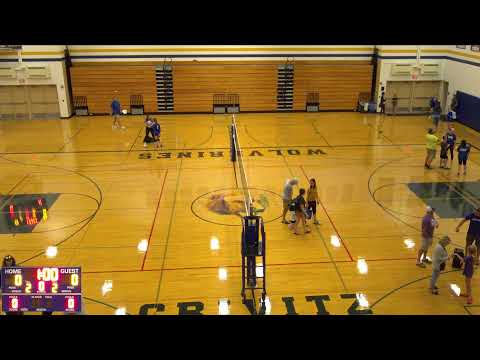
156,133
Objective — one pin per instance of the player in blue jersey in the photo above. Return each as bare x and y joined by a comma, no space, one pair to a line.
156,133
116,111
463,151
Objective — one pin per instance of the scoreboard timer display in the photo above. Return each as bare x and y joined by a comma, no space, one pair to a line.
41,289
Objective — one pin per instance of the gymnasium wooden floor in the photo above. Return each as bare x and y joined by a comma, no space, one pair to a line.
114,193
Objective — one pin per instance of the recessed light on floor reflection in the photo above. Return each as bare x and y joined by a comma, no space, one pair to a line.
214,243
222,274
362,266
142,245
223,307
121,311
409,243
456,290
335,241
268,306
259,270
107,287
51,252
362,300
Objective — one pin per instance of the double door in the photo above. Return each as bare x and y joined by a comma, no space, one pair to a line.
414,96
29,102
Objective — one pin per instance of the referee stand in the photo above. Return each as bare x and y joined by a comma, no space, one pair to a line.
253,249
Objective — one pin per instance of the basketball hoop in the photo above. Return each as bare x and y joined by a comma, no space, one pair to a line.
414,73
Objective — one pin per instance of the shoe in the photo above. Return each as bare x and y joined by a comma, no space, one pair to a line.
316,222
469,301
422,265
458,173
435,287
435,292
426,261
307,231
145,145
285,222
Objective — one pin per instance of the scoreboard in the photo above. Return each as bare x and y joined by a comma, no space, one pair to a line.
41,289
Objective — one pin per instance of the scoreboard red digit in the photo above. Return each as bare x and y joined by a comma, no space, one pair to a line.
41,289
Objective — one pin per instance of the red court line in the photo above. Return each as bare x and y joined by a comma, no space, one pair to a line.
154,219
393,259
329,218
239,266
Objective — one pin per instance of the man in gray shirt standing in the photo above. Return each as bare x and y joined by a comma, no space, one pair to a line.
287,196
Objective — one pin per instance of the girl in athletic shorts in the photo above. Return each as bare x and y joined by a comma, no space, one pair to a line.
463,151
312,200
444,153
156,133
468,270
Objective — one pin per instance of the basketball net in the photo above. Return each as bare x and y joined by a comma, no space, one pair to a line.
414,74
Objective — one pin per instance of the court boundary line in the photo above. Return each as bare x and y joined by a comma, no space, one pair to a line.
69,140
319,133
407,284
154,220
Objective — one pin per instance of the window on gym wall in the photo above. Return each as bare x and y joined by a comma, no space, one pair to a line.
29,102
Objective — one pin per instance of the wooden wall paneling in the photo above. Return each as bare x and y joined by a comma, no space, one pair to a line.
99,83
338,85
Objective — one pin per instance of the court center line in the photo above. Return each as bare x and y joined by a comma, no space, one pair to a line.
169,230
318,231
329,218
154,220
325,243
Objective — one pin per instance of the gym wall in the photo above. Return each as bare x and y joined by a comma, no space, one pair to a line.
338,73
49,60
